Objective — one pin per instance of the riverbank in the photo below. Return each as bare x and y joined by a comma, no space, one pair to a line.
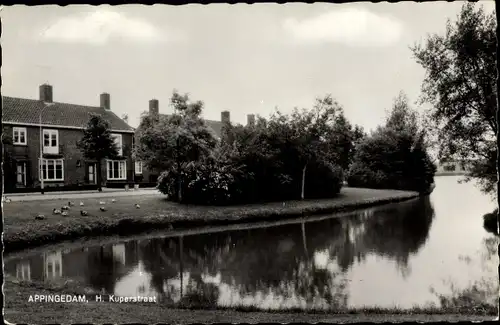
22,231
19,310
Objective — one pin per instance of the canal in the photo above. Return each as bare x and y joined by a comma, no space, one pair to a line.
429,252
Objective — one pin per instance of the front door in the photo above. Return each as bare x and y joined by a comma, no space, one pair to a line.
92,173
21,173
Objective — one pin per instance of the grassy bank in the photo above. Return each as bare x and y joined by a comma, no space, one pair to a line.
19,310
22,231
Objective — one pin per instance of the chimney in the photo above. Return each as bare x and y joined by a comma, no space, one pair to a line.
154,107
224,116
105,101
251,119
46,93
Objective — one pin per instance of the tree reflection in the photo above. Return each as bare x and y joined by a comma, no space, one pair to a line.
104,268
283,261
394,232
482,293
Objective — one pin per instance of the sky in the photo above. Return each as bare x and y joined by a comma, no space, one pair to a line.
247,59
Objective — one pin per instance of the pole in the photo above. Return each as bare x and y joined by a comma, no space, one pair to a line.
40,172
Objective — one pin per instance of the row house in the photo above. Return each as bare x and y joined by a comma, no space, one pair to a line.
148,175
56,128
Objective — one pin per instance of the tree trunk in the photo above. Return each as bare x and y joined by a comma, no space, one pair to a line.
99,176
303,181
179,183
304,238
181,271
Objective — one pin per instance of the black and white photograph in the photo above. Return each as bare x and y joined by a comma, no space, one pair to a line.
250,163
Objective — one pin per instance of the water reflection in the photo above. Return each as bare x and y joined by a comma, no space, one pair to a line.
301,265
484,290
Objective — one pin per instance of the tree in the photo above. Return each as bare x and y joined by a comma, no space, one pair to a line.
8,166
395,156
97,143
309,133
173,143
461,86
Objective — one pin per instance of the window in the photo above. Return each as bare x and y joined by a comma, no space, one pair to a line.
51,141
118,142
52,169
117,169
19,136
138,167
21,173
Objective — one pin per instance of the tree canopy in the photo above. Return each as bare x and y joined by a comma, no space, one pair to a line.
395,155
461,86
97,143
171,143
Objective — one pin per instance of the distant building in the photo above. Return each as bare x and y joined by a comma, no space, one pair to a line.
61,125
454,167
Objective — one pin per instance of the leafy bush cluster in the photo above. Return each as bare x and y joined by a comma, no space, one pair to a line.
284,157
394,156
300,155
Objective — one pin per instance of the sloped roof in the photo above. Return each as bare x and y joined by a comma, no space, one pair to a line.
27,111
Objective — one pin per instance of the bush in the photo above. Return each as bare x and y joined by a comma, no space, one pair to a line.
234,176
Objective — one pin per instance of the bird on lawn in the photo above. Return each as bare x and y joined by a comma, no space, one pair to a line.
137,206
81,204
84,213
56,211
102,202
6,199
102,209
39,217
113,200
71,203
65,207
64,213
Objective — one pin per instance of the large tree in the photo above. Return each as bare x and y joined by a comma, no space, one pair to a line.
308,133
97,143
172,143
395,156
461,86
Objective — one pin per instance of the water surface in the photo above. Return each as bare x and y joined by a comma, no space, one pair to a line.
425,252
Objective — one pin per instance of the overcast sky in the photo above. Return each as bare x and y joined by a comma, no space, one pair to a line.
242,58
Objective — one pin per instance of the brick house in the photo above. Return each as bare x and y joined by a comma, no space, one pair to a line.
61,125
143,174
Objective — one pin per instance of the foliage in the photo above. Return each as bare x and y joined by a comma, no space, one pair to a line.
394,156
8,166
461,86
281,158
490,221
174,143
97,143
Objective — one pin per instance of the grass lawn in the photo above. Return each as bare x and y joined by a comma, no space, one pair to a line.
21,230
19,310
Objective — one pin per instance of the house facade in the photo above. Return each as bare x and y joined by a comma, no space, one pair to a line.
151,176
43,136
454,167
